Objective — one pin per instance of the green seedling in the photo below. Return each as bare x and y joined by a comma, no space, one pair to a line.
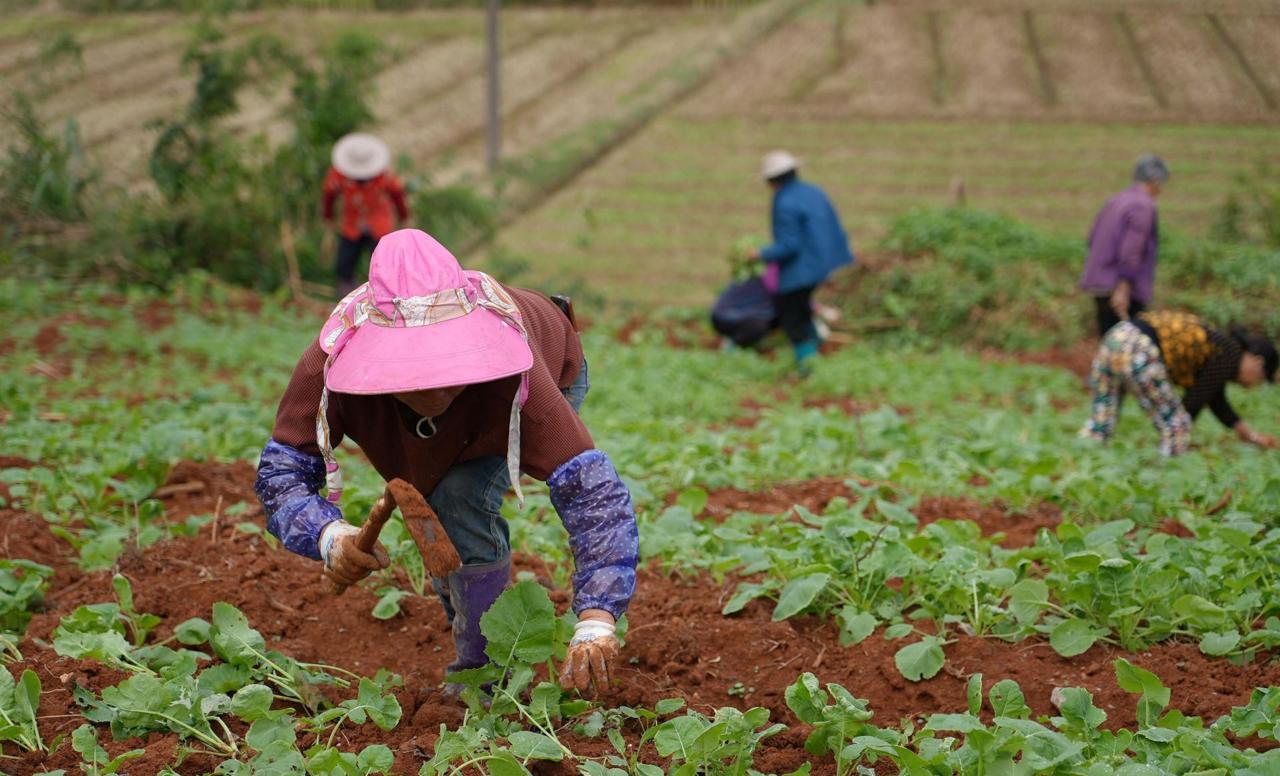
19,710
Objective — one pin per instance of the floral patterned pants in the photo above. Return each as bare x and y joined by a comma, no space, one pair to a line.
1129,360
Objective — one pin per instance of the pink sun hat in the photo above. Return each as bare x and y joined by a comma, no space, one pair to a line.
422,322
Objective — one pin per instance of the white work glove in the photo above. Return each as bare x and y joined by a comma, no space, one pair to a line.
593,647
344,562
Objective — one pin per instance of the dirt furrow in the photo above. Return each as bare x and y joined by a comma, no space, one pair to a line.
115,71
989,69
770,73
630,77
1232,49
1258,38
21,51
427,71
888,68
431,127
1194,71
1093,73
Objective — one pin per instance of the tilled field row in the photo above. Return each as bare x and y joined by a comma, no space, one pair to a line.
680,645
901,60
429,97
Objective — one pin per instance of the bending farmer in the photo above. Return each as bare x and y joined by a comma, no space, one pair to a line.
456,384
809,243
361,175
1155,351
1121,271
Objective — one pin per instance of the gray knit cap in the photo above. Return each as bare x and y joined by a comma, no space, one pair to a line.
1150,169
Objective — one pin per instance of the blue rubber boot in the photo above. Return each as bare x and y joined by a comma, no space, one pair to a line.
472,590
805,352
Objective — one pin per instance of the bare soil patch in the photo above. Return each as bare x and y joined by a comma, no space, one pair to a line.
27,535
431,126
1076,359
813,495
688,333
987,55
1014,529
1256,37
889,69
194,488
1194,70
156,314
768,75
1093,73
637,73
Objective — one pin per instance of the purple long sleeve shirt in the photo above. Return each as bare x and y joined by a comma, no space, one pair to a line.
1123,245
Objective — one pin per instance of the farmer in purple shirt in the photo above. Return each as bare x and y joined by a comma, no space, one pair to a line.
1121,272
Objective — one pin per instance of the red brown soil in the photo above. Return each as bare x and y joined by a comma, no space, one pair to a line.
224,484
813,495
754,408
154,315
679,645
1172,527
681,334
50,337
1077,358
1015,529
846,404
26,535
849,405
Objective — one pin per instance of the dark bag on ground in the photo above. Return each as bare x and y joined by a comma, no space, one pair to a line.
745,312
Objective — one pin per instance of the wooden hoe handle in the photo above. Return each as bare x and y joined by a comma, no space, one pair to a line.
367,539
439,556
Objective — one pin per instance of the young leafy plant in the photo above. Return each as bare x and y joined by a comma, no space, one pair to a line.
19,705
22,584
94,759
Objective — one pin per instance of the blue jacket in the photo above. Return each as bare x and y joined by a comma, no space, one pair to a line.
809,243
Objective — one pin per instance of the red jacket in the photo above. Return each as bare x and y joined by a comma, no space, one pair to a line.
366,205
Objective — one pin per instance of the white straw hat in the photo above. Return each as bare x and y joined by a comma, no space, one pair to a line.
778,163
361,156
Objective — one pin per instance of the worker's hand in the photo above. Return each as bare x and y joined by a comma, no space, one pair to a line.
1247,434
755,254
344,562
593,648
1120,300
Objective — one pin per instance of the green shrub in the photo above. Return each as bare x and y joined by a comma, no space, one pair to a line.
968,276
43,177
1252,213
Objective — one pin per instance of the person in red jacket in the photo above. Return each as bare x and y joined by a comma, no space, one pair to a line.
361,176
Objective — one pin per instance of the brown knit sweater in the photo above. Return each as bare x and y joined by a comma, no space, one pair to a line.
475,424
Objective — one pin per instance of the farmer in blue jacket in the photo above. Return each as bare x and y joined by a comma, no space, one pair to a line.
809,243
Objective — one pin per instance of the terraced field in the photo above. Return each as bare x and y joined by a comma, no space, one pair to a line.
1038,107
563,69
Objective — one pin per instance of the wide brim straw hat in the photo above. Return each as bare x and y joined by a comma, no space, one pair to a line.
421,322
361,156
777,163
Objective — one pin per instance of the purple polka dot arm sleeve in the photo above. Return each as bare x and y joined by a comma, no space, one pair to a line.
288,486
595,507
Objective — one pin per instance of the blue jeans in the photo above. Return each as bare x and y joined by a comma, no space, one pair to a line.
468,498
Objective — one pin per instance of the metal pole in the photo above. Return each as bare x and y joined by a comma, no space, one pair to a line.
494,95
